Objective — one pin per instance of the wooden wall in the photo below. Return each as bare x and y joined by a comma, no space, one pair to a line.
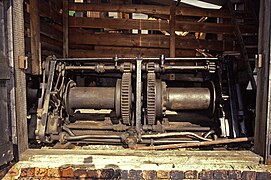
43,30
93,33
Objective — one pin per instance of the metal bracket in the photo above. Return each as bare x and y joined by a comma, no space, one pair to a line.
138,96
23,64
259,61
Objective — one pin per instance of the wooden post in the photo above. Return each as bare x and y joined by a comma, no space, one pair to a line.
65,28
20,77
35,37
172,40
172,23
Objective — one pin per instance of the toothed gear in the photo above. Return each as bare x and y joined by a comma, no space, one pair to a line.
126,98
151,95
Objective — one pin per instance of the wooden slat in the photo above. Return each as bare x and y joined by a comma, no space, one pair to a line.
127,52
49,40
46,10
48,29
35,37
172,25
161,25
137,40
65,28
47,44
150,9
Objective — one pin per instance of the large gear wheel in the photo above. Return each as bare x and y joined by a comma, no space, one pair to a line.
126,98
151,95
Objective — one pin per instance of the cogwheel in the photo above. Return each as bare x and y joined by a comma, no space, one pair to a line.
151,98
126,98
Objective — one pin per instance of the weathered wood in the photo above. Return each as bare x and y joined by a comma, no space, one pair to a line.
172,24
35,37
143,40
49,29
126,159
20,78
46,44
263,117
127,52
160,25
49,40
46,10
242,47
65,28
150,9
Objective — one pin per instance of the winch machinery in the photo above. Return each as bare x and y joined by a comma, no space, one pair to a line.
129,101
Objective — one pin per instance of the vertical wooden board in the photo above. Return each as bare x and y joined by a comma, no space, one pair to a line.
172,23
172,41
20,78
65,28
262,122
35,37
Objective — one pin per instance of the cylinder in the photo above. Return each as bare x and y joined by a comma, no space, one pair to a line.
188,98
91,98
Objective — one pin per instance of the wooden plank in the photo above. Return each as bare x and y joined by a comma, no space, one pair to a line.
126,159
172,38
49,29
49,40
144,40
127,52
172,25
263,118
20,78
47,44
47,11
35,37
150,9
160,25
65,28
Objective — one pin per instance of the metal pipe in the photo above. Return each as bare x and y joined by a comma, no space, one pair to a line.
175,134
169,67
106,68
112,68
188,98
98,141
134,59
197,144
191,128
91,98
91,136
144,141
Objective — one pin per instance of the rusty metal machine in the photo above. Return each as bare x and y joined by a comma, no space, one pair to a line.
132,101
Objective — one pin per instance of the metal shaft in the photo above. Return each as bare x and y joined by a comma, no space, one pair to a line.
91,98
188,98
